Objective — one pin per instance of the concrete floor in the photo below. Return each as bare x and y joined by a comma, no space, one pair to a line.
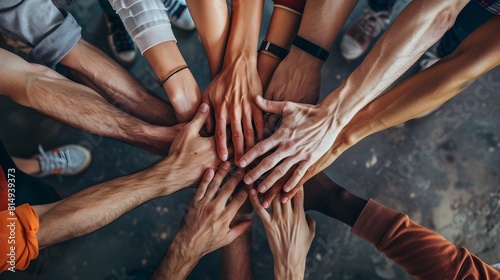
448,184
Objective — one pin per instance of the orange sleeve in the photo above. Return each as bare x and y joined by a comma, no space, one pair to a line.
18,243
422,253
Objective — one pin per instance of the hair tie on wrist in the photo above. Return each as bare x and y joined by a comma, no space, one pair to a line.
175,71
310,48
273,50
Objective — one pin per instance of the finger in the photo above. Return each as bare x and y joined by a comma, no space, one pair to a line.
236,203
258,120
265,165
209,124
278,173
220,135
248,132
268,106
277,209
298,199
217,181
297,175
258,150
259,209
238,230
199,119
237,137
289,195
205,181
311,223
272,193
230,186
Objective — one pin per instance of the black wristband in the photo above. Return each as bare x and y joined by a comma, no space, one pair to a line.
310,48
273,50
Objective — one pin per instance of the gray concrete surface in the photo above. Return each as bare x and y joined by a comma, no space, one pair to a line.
448,183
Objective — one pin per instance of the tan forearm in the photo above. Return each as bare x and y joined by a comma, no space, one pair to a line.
94,68
479,53
212,22
245,27
177,262
101,204
282,29
236,258
417,28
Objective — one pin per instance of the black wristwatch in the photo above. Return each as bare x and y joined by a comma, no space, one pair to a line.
273,50
310,48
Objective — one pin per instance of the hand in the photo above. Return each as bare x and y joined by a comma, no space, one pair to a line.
289,232
205,226
305,134
232,94
190,154
294,81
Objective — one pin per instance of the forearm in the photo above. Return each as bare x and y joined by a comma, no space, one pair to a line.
282,29
177,262
421,92
212,22
244,34
236,258
101,204
93,67
53,95
181,88
418,27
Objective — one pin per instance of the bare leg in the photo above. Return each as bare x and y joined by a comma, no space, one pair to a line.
29,166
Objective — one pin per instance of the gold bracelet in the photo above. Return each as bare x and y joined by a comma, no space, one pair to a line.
175,71
269,54
288,9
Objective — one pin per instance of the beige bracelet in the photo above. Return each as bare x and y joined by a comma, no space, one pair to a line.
288,9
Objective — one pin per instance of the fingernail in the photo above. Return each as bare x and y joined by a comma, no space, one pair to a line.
248,180
224,157
287,188
265,204
259,98
284,199
243,163
204,107
262,189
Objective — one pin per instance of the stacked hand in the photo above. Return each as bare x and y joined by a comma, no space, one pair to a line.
290,233
306,133
232,94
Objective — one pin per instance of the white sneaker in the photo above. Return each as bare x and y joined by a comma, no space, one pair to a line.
360,34
65,160
179,15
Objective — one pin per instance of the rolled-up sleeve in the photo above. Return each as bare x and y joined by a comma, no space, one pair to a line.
52,33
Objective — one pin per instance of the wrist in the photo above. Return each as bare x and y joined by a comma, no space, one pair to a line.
284,270
300,59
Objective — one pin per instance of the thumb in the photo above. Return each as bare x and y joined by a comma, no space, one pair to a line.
199,119
268,106
238,230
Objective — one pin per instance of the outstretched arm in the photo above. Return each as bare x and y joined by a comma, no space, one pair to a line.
206,224
53,95
231,93
101,204
98,71
298,77
425,90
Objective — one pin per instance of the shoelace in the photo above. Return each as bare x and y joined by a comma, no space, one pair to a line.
55,160
174,8
373,27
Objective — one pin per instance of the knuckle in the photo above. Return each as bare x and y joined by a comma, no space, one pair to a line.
268,163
